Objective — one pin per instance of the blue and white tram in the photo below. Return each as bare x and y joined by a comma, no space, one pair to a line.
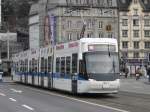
89,65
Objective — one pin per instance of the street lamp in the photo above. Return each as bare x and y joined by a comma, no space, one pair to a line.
8,34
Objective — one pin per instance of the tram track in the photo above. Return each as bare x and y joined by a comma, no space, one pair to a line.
128,101
132,102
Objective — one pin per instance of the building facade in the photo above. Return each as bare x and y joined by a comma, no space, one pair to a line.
63,21
134,31
34,36
8,47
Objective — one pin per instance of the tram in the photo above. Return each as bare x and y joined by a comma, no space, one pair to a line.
88,65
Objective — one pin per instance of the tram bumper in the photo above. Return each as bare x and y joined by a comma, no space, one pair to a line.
103,86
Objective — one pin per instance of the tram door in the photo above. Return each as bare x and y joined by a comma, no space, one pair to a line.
42,72
74,72
21,70
50,72
33,70
26,70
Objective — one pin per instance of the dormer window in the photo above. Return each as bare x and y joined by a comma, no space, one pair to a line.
145,1
109,2
135,1
124,1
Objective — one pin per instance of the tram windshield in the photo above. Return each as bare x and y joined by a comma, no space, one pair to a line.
102,65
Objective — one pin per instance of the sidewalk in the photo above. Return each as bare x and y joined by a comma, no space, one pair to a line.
7,79
132,85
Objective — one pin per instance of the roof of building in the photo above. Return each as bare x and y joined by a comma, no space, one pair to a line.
124,4
146,4
50,4
34,9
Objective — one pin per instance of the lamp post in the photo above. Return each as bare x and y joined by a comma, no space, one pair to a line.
8,51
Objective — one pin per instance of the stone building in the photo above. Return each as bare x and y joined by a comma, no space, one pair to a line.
62,21
134,31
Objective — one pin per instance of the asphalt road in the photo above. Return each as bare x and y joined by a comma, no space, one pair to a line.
20,98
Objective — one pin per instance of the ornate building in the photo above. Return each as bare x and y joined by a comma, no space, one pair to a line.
134,31
72,20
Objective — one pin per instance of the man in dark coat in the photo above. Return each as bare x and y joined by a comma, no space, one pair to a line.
148,72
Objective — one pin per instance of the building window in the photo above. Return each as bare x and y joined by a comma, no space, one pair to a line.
124,33
100,24
101,35
147,33
136,44
136,54
125,44
69,23
146,22
124,13
124,54
125,22
147,45
69,36
135,12
89,24
135,22
136,33
89,35
109,2
78,36
79,23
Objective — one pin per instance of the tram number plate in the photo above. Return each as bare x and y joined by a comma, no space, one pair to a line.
106,85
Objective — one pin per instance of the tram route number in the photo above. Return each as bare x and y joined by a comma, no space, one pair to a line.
106,85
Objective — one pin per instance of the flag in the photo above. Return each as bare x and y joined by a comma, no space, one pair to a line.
52,30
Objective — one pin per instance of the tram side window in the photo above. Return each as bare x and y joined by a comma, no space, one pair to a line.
26,65
35,65
22,66
57,64
74,63
16,66
42,64
30,66
62,64
45,65
49,63
68,60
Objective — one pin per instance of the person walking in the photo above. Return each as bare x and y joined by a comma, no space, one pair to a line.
126,72
148,72
138,74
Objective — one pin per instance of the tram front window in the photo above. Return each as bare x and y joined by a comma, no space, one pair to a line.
102,66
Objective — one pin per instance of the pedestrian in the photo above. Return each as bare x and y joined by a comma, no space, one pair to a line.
138,74
126,72
148,72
